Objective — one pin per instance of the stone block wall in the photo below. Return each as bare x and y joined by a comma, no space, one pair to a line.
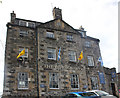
13,65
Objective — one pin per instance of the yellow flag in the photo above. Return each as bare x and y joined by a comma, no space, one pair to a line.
21,53
81,56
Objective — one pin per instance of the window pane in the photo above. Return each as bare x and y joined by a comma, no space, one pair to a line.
94,83
72,56
83,34
51,53
53,78
90,61
22,80
74,81
69,37
23,33
22,23
30,24
50,34
87,44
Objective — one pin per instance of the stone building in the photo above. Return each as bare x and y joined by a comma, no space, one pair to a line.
118,83
111,81
40,72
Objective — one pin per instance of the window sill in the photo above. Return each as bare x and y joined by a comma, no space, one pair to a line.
23,88
53,88
51,38
87,47
73,62
74,88
52,60
91,66
69,40
22,35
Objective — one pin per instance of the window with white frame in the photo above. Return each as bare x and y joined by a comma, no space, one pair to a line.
49,34
22,23
26,52
72,56
90,61
53,80
22,80
23,33
94,82
31,24
69,38
87,44
74,81
51,53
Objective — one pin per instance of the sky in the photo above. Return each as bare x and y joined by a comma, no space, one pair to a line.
98,17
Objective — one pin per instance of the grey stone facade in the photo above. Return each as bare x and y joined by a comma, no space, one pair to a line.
111,81
40,68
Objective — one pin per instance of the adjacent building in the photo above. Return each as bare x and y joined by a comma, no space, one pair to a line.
50,66
111,81
118,83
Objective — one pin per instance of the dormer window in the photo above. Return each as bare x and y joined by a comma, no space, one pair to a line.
31,24
83,34
69,38
22,23
50,34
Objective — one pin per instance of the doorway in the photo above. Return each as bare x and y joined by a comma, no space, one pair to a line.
113,89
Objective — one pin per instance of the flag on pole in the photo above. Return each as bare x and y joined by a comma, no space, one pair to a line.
59,54
81,56
21,53
100,60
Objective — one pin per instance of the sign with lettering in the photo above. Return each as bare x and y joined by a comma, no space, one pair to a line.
113,74
102,78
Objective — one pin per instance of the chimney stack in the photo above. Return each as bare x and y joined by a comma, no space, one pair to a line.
13,16
57,13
